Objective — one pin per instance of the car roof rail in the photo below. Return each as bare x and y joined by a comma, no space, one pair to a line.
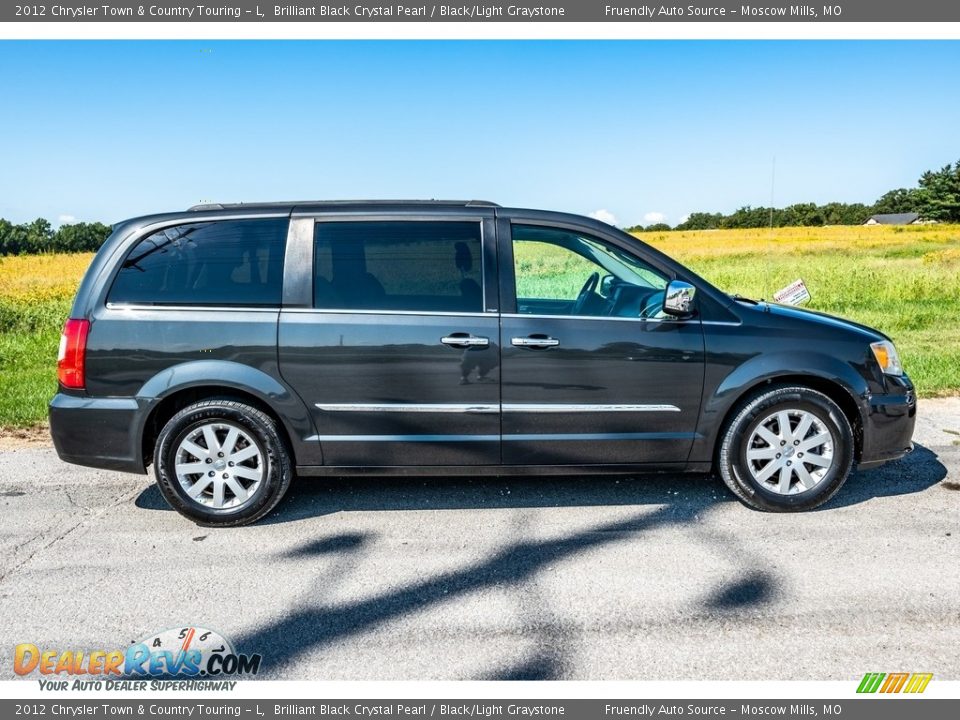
295,203
205,206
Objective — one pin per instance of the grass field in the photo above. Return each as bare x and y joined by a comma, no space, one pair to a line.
35,296
902,280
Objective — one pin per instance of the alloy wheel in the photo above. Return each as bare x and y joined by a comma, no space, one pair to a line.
790,452
219,465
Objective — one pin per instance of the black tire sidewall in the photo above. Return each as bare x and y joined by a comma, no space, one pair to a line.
276,474
735,445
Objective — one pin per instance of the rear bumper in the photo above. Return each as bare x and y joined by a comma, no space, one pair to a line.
97,432
888,424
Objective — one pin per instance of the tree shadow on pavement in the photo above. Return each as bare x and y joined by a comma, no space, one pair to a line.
284,639
313,497
661,501
756,588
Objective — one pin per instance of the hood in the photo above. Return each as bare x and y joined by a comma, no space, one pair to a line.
819,318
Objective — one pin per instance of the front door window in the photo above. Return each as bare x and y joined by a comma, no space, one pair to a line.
559,272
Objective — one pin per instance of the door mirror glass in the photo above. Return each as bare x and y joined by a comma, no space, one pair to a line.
678,299
606,285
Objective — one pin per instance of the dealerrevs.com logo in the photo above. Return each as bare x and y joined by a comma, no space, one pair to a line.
183,653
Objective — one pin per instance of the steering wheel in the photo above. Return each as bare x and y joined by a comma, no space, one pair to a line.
585,292
652,306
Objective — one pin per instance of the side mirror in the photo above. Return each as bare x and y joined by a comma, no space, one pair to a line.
678,298
606,285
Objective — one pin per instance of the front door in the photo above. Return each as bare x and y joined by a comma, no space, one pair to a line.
397,355
592,370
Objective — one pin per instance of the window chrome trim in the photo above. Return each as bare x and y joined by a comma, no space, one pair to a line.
195,308
429,313
436,313
409,407
373,216
689,321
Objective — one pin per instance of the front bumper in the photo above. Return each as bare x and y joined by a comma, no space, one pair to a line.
97,432
888,423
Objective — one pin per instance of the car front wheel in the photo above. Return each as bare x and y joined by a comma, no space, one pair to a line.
787,449
222,463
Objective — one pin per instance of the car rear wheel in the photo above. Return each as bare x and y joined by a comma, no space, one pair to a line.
222,463
787,449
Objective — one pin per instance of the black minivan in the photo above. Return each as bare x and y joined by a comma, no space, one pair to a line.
234,346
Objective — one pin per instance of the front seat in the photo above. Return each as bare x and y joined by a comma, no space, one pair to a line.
470,289
362,291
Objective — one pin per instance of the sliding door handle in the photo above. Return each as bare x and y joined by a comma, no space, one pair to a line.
463,340
533,342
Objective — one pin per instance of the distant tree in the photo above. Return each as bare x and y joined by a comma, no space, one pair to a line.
39,237
80,237
12,238
701,221
39,234
845,214
658,227
802,215
748,217
901,200
939,194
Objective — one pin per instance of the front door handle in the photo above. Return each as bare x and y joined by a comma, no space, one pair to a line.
534,342
463,340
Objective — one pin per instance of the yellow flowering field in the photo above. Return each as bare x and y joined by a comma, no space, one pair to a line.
902,280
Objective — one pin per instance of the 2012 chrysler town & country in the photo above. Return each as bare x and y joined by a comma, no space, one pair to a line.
235,346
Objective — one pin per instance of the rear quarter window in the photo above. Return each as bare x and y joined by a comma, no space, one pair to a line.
226,262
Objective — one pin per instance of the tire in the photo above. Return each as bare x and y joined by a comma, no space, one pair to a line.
776,471
238,481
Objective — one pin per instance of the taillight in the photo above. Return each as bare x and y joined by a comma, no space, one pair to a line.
73,353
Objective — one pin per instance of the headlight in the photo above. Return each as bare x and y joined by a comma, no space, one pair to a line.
887,357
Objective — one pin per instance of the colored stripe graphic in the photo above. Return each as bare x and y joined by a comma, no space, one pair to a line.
870,682
918,682
894,682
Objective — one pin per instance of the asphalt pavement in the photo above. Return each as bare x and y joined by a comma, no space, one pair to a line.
660,577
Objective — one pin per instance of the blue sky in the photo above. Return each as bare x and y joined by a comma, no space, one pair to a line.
641,129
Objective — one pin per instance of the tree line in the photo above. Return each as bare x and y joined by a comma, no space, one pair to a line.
40,237
936,198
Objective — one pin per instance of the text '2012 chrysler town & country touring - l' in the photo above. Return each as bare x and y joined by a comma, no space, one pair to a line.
234,346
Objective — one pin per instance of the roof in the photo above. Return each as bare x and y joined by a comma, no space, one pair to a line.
894,218
290,204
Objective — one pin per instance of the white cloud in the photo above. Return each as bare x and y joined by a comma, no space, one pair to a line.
604,216
66,219
652,218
